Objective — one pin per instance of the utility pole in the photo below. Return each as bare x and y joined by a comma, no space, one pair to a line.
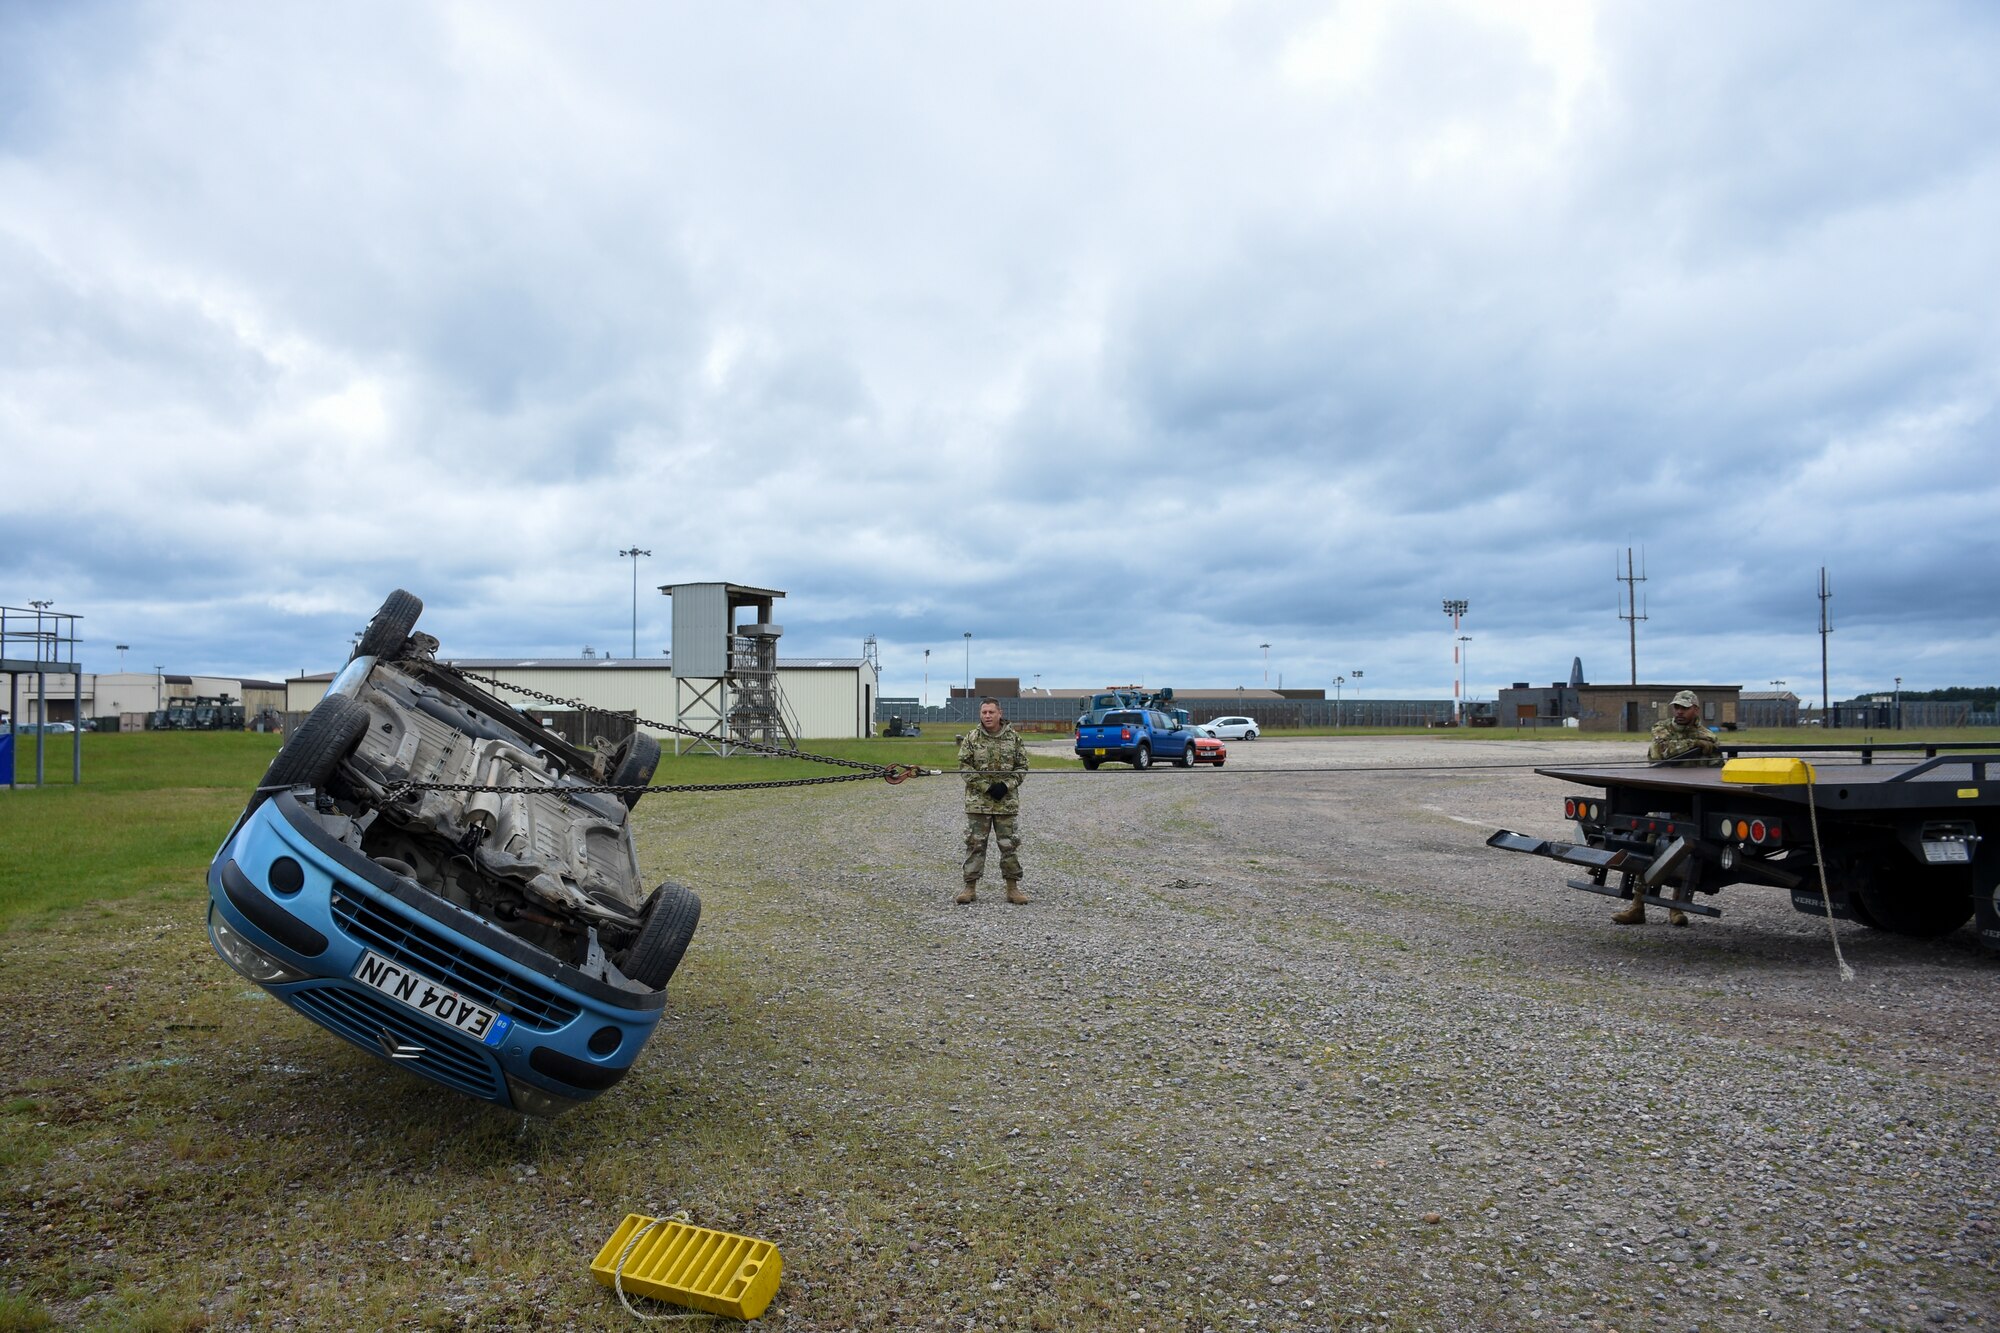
1826,715
968,664
1455,607
1463,659
927,678
635,553
1631,615
1267,664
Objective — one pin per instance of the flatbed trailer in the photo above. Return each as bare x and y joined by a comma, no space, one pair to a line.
1908,833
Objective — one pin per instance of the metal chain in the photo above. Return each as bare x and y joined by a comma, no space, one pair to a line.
890,773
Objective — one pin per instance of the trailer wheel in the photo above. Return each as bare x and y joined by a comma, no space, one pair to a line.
1920,901
391,627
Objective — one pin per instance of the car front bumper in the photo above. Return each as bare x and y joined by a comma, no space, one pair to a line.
299,913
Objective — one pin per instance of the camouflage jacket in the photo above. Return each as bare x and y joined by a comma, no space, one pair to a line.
985,759
1671,740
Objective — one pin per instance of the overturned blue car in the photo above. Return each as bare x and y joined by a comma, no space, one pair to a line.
431,875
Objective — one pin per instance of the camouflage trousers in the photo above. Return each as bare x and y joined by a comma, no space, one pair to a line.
1005,830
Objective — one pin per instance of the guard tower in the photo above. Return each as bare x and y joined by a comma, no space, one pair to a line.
726,672
38,642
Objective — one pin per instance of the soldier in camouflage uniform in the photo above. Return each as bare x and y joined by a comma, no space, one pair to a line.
1684,738
993,761
1687,740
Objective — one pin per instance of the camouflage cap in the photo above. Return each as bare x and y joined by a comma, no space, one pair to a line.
1687,699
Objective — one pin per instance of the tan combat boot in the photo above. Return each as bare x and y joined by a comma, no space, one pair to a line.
1635,915
965,895
1014,894
1675,916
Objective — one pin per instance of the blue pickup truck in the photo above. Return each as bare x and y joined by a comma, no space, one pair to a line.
1135,736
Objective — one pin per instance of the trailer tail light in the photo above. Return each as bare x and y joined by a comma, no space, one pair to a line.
1742,828
1757,830
1569,808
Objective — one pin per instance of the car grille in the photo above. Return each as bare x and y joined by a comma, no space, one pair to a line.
421,946
361,1018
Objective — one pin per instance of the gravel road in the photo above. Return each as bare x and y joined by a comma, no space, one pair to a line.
1331,1063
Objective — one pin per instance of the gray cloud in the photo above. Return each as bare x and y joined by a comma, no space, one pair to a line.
1128,339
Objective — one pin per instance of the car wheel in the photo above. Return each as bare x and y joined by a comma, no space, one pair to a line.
1092,764
391,627
664,931
1187,756
327,736
1143,757
1250,735
631,765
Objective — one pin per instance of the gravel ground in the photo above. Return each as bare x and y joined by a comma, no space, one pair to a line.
1332,1063
1269,1050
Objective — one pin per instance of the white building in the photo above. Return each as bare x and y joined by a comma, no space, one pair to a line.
827,698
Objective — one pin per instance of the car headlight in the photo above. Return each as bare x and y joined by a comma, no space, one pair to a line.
531,1100
246,957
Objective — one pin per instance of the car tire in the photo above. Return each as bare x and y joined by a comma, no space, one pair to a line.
1250,735
1143,756
327,736
664,931
390,629
1092,764
632,763
1187,756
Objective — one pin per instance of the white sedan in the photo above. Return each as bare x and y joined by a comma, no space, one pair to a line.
1234,728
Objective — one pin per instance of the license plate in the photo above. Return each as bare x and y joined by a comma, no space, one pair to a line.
417,991
1098,750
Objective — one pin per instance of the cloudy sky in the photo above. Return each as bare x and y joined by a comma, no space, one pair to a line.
1127,337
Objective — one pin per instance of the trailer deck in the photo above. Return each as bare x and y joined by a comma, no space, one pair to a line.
1903,837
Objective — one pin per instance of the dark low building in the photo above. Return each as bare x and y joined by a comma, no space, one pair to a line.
1631,708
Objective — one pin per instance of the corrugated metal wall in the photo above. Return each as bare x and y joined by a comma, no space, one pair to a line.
824,703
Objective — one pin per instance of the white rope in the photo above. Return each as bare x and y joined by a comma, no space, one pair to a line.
618,1270
1819,859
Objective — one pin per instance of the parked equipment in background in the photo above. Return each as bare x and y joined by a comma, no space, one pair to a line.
896,726
221,712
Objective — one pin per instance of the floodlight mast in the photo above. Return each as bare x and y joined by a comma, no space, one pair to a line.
634,552
1455,607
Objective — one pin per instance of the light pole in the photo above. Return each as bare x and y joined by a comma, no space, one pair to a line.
968,664
634,552
1778,688
1356,674
927,678
159,681
1462,656
1899,703
1456,607
122,649
1267,664
1338,681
